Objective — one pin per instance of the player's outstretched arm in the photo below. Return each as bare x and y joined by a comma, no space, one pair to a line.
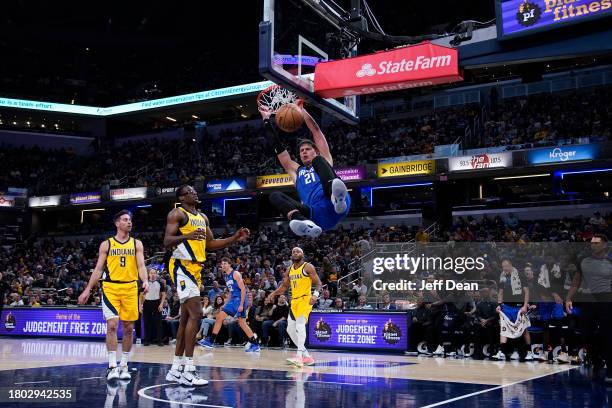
282,288
282,154
576,280
318,136
500,299
238,279
142,269
211,243
310,269
96,274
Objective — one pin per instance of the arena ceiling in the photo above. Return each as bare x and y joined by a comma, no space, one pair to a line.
109,53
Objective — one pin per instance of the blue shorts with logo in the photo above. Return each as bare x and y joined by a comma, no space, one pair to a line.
231,307
325,216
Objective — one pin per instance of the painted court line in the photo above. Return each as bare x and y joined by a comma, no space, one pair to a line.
32,382
494,388
88,378
288,380
141,392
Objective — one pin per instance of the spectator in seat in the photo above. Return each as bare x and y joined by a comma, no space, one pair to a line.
360,289
263,313
386,304
16,300
207,309
214,291
512,222
487,329
361,303
345,291
597,220
325,302
338,304
209,320
421,324
70,298
270,283
421,236
280,312
172,320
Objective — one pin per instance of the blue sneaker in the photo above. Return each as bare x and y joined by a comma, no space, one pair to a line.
206,343
252,348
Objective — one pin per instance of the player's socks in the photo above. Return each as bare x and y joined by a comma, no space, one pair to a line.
338,196
254,339
112,359
177,362
124,358
305,228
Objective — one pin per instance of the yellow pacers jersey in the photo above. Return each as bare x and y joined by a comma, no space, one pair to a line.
191,250
121,263
300,281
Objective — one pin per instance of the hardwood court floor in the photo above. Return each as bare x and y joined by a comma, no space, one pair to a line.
263,379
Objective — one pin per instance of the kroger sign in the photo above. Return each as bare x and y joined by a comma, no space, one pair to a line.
562,154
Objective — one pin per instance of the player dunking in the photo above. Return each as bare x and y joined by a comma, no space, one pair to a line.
300,278
236,307
189,236
325,199
120,264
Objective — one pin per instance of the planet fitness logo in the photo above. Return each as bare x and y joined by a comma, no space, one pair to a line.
9,322
528,14
391,333
322,331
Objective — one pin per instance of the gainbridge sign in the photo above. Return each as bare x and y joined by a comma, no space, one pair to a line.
411,168
419,65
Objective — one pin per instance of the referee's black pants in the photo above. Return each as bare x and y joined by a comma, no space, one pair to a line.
596,319
152,321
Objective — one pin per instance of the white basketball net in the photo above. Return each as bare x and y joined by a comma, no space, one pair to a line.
274,97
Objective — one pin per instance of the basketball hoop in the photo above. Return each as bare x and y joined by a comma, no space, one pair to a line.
275,96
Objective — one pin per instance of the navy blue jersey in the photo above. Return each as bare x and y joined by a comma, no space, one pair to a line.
308,185
232,285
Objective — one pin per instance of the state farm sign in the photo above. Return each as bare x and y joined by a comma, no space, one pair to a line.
480,161
409,67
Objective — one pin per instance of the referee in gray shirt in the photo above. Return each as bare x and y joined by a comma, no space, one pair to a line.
596,275
151,305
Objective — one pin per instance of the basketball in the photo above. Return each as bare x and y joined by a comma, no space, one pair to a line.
289,118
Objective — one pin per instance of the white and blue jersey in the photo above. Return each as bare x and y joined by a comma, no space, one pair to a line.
310,190
231,307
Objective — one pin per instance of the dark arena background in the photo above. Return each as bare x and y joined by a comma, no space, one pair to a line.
306,203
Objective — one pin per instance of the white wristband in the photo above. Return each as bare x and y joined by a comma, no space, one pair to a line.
315,294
